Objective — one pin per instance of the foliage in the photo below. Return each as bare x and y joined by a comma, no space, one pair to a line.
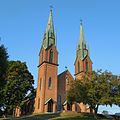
3,69
115,93
94,89
3,65
19,82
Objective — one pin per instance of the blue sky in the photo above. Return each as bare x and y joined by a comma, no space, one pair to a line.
22,23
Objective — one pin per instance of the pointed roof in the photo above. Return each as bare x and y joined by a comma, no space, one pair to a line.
81,48
48,100
49,36
82,42
50,26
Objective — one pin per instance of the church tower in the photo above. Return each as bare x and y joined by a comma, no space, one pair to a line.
83,62
46,92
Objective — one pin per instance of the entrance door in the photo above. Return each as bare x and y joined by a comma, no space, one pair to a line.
69,107
50,106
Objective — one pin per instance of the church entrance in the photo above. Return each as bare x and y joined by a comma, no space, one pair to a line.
69,107
50,106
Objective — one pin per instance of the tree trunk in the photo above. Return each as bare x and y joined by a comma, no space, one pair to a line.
96,109
91,110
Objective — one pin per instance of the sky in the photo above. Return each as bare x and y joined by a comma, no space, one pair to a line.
23,22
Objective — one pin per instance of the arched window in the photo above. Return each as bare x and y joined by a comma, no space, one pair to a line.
78,67
38,103
86,66
40,83
51,56
49,83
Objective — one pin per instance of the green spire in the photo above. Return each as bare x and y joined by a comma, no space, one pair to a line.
49,35
88,50
81,48
50,26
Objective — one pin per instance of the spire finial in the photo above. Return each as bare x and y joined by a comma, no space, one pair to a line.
80,21
66,68
51,7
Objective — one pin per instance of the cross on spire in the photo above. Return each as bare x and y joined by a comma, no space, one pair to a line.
51,7
81,21
49,35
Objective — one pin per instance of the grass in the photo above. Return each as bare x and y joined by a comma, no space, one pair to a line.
59,116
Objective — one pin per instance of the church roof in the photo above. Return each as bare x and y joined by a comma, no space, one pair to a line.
50,26
49,36
48,100
63,73
82,50
65,102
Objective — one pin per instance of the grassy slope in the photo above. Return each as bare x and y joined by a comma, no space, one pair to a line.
59,116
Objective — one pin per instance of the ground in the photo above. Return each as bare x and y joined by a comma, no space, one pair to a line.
61,116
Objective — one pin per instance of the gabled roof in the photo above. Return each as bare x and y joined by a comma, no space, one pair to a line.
48,100
63,73
84,59
65,102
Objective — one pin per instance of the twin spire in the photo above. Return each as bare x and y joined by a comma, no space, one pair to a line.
82,50
49,37
50,26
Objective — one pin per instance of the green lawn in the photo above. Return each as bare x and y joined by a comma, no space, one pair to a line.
59,116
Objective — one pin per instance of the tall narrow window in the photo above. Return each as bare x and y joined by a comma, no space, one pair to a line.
49,83
40,83
86,66
78,67
59,103
51,56
38,103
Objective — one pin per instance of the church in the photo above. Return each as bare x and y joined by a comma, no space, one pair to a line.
52,88
51,91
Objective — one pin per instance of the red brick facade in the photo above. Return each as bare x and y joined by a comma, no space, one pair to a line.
52,88
82,64
47,81
64,80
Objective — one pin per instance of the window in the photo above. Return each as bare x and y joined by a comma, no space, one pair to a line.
40,83
78,67
49,83
86,65
51,56
59,103
38,103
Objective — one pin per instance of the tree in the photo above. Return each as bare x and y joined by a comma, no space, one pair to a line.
3,69
94,89
3,65
19,82
115,93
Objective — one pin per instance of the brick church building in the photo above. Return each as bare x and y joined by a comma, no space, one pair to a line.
52,88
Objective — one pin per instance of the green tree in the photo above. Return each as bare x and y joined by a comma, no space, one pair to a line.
3,69
19,82
115,93
94,89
